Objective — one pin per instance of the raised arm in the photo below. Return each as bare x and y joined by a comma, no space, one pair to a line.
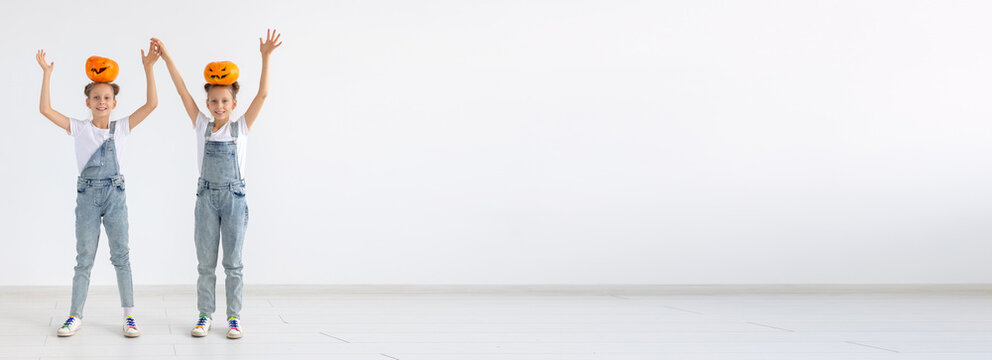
46,98
177,79
152,96
271,43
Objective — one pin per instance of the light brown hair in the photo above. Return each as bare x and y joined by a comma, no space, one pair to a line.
89,87
233,87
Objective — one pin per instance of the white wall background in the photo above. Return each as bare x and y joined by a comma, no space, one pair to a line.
533,142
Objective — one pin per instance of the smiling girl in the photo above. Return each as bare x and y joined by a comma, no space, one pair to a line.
221,213
100,188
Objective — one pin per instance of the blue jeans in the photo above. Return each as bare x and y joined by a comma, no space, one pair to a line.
221,217
99,201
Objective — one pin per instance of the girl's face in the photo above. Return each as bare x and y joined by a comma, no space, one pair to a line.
101,100
220,102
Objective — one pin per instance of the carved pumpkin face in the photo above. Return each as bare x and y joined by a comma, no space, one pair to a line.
221,73
100,69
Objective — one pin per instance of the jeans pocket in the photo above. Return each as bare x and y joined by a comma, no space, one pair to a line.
118,182
238,190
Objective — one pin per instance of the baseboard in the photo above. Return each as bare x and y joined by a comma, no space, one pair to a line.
544,290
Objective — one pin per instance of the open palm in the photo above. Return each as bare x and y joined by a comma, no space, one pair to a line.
271,38
41,61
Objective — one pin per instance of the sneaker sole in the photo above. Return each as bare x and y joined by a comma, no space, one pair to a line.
191,333
69,334
238,336
132,335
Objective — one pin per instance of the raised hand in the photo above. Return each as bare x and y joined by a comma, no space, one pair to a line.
41,61
271,38
177,79
271,43
148,60
152,56
45,105
161,48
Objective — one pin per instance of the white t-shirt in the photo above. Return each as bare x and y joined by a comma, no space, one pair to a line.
89,138
223,134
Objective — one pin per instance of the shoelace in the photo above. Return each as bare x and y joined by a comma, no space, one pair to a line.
130,322
202,322
233,323
69,321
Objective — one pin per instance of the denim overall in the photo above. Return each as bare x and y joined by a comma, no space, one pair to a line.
221,218
100,196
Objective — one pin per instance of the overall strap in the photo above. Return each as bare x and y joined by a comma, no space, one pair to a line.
210,128
206,135
112,126
234,134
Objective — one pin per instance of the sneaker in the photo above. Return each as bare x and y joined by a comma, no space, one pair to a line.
233,329
70,326
201,328
130,329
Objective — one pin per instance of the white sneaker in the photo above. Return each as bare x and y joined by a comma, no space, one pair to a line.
130,328
201,328
233,328
70,326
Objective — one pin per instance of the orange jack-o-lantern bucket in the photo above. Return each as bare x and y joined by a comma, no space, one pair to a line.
221,73
101,69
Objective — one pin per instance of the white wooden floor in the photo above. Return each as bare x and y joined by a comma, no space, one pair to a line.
518,323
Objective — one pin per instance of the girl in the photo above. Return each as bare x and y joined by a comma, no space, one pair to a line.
100,187
221,213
